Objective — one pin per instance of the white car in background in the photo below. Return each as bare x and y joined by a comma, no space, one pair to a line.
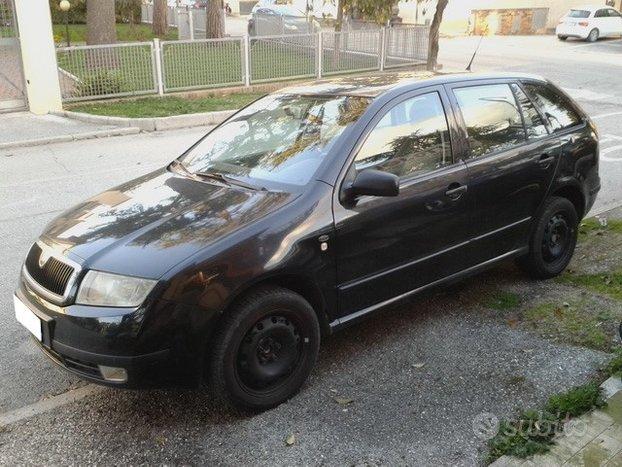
590,23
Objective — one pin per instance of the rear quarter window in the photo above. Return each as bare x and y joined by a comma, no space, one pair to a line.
556,108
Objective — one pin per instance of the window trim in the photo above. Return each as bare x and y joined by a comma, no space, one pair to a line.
462,124
455,140
536,108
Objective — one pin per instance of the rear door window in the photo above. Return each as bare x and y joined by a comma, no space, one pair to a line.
579,14
556,108
492,118
601,14
534,125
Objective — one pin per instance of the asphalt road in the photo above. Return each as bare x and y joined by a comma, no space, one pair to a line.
402,412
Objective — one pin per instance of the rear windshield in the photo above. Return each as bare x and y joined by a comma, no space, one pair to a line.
579,14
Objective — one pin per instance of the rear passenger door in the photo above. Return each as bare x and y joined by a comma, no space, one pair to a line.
511,159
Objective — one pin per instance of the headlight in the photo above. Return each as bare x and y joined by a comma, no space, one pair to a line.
105,289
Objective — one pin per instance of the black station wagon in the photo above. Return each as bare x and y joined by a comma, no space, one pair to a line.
301,213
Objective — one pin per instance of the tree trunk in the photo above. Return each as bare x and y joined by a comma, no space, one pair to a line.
160,21
434,34
100,22
214,20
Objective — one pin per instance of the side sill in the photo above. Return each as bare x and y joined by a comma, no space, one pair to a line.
352,317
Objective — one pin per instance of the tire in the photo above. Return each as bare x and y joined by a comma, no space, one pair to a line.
562,38
553,239
593,35
264,349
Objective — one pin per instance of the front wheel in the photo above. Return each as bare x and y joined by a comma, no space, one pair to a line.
593,35
552,241
264,350
562,38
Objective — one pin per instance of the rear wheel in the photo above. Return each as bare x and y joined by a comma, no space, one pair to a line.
553,239
593,35
264,350
562,38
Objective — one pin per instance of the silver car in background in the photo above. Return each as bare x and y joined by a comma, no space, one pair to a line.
276,20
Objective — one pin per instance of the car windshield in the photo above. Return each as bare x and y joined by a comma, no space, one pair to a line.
579,14
281,138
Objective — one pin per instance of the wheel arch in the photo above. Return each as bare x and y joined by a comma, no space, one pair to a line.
296,282
573,194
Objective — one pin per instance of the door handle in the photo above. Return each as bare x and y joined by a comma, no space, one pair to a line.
455,191
546,160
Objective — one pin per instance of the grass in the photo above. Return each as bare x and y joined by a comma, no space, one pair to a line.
166,106
574,324
607,284
125,33
593,226
503,301
614,368
532,431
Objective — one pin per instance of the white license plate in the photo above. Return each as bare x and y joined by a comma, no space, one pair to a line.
28,319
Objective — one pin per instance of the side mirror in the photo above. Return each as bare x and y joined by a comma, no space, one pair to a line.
372,182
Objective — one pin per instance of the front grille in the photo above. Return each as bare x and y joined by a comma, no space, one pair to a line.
54,275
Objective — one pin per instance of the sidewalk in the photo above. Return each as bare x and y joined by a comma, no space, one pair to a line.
26,129
592,440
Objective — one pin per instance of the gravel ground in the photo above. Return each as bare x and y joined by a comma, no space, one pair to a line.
401,411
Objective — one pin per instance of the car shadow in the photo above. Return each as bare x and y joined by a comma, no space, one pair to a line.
339,353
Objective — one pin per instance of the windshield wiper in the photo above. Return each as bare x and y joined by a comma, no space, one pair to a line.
218,176
228,180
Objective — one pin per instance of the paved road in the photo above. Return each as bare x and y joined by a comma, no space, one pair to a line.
401,413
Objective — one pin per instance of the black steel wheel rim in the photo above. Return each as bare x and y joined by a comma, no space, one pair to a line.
269,353
556,238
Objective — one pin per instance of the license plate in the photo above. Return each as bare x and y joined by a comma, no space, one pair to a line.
28,319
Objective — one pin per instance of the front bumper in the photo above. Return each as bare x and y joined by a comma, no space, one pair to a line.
84,339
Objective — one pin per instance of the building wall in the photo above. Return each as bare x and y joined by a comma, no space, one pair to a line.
458,17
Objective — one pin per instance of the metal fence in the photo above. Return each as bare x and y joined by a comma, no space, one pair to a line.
146,15
202,63
88,72
91,72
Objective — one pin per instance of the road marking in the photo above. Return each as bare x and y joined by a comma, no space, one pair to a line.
587,95
605,157
47,405
610,114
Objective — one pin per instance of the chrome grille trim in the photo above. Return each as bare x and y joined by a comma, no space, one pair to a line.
44,292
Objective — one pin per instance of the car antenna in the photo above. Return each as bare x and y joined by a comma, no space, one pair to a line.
481,38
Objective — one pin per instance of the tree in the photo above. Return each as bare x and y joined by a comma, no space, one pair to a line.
100,22
434,33
160,21
215,24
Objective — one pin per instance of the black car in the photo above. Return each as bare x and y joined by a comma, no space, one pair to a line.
306,210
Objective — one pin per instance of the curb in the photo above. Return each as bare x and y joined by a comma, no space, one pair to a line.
128,130
152,123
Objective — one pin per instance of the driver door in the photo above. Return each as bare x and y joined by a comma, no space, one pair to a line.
390,246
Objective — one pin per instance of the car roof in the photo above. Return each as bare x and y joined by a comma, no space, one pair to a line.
590,7
375,85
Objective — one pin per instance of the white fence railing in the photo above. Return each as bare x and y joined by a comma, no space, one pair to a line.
92,72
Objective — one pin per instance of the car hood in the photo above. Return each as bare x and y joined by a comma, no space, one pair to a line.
146,226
